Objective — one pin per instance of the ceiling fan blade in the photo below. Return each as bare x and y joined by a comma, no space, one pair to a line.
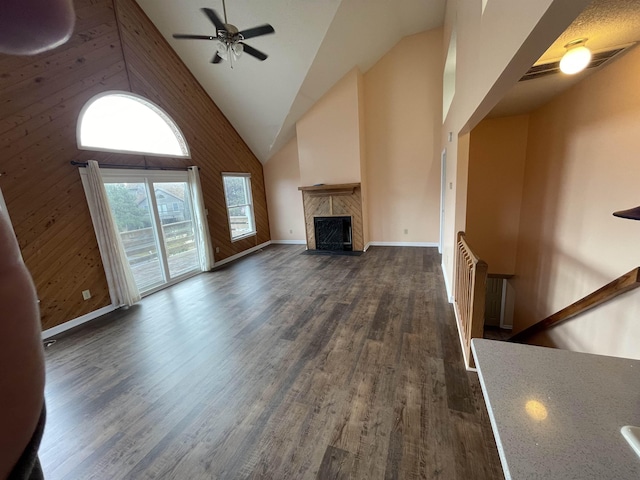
216,59
254,52
194,37
214,18
257,31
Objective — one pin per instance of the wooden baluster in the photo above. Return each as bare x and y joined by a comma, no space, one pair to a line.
469,294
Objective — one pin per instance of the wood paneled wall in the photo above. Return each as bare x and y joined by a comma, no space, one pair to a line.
114,47
156,72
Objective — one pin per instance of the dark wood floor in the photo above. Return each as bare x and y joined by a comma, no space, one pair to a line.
279,366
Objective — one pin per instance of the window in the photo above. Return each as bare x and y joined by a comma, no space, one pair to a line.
3,208
237,193
124,122
449,76
161,247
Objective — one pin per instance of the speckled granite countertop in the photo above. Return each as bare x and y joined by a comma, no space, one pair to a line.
557,414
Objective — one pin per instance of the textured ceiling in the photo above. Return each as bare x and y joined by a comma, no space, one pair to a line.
315,44
605,23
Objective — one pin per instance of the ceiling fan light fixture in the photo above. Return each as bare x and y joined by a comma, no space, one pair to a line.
576,58
223,50
228,39
237,49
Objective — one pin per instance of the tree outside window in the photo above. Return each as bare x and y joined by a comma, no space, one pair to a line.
125,208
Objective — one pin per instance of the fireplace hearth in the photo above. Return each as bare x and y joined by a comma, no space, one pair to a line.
333,233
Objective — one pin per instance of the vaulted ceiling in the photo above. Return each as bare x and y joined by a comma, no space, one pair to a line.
315,44
319,41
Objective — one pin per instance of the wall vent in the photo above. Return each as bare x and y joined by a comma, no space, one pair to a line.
597,60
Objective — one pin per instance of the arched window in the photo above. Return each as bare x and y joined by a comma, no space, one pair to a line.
125,122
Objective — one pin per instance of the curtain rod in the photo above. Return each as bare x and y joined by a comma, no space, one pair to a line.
132,167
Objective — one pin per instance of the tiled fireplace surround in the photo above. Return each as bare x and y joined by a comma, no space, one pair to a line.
333,201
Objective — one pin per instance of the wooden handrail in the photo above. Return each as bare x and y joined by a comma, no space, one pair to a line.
469,293
620,285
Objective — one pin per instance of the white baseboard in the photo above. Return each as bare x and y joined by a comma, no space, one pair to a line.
401,244
242,254
366,247
446,283
77,321
288,242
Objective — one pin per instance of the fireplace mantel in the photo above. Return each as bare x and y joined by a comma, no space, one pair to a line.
343,199
335,189
335,186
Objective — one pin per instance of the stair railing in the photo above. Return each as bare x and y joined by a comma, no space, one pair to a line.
620,285
469,293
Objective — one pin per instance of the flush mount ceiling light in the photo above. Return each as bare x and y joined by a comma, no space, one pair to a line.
577,57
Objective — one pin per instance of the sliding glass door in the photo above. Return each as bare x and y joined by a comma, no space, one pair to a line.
153,213
178,232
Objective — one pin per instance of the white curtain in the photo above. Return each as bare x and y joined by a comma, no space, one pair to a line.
200,220
122,285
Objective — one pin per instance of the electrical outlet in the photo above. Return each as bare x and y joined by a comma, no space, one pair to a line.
217,249
406,231
86,294
291,232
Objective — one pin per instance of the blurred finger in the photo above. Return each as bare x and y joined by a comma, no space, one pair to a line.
28,27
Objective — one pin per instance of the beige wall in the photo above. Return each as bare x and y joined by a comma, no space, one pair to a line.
364,185
497,154
493,50
284,200
381,130
582,164
329,136
403,114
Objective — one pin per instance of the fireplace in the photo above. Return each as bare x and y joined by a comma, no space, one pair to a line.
333,233
334,205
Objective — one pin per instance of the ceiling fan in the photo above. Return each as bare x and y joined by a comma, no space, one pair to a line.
230,41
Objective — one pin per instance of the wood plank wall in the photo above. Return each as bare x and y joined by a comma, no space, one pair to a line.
156,72
40,99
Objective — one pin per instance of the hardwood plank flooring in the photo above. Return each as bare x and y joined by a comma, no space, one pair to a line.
278,366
